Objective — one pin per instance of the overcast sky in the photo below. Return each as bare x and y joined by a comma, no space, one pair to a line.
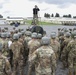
23,8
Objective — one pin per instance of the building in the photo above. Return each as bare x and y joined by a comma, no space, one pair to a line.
15,19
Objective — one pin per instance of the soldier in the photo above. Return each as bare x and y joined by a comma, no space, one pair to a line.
61,39
39,36
44,59
72,58
33,44
28,36
16,48
64,56
10,54
59,29
5,44
5,68
55,45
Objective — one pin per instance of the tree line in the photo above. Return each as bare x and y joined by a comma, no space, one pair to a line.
47,15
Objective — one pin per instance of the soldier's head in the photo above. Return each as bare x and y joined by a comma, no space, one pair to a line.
8,35
53,35
45,40
67,35
28,33
15,37
70,29
65,29
73,34
61,33
19,34
39,36
23,32
36,6
3,35
59,29
34,35
1,46
74,29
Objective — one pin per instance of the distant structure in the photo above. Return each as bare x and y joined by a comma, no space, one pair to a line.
60,20
2,21
15,19
53,20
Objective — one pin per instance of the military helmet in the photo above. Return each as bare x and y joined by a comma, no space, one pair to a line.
39,36
34,35
23,32
45,40
53,35
73,34
15,36
67,34
28,33
61,33
19,34
3,35
74,29
1,46
7,35
65,29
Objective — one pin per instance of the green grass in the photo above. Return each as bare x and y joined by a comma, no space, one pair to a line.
40,23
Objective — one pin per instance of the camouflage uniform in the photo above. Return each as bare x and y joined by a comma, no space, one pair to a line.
21,59
44,60
5,68
56,47
64,54
33,45
4,41
61,39
5,47
16,48
72,58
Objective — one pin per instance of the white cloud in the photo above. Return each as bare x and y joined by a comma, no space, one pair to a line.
24,8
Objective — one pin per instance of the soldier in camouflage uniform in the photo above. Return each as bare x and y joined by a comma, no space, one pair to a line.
21,60
5,44
72,57
71,47
5,68
33,44
16,48
61,39
64,54
55,45
28,36
44,59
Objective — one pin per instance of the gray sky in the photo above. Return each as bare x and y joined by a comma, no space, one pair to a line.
59,2
23,8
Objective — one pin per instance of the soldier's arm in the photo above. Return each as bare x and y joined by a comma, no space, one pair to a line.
53,60
31,60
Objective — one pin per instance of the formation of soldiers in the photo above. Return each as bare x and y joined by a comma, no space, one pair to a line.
42,53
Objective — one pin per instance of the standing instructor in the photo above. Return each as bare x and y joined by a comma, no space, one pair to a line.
35,14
